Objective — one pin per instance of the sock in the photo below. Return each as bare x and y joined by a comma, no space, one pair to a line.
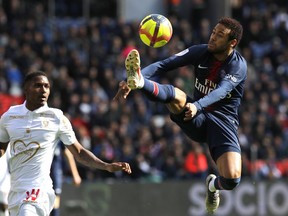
141,82
222,183
158,92
55,212
212,187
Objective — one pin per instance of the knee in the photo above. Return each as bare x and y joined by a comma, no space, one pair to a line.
228,183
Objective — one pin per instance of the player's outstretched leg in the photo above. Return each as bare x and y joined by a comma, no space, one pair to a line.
212,198
135,80
132,64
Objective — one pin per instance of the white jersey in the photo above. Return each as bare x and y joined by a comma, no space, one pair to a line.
33,136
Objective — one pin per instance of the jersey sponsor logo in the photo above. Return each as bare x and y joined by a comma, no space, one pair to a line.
46,115
205,88
29,149
16,116
202,67
231,77
182,52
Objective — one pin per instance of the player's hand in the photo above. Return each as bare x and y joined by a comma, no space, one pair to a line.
191,111
119,166
77,180
123,91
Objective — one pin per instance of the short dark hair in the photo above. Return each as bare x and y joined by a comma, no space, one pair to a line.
29,76
235,26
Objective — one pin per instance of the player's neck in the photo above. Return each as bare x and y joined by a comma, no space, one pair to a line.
223,56
32,107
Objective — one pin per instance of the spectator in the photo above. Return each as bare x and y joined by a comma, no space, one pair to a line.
195,164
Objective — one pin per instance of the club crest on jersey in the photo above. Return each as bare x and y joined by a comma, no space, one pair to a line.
45,123
65,122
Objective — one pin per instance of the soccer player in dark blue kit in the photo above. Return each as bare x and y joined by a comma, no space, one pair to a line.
211,115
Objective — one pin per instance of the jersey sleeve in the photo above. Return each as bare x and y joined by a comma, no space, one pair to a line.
4,136
67,135
219,93
186,57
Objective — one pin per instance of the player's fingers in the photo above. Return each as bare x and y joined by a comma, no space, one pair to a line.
188,115
187,118
123,91
77,181
126,167
120,94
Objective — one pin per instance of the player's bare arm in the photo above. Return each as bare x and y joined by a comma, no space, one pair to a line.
87,158
3,147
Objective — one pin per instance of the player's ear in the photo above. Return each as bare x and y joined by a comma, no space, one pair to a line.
233,43
25,88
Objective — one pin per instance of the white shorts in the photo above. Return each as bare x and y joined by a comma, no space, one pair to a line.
31,203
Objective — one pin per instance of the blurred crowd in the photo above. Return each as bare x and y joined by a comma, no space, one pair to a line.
85,61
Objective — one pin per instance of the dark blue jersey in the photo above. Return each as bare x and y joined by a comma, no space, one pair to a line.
219,86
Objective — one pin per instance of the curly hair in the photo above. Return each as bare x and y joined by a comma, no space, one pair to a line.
235,27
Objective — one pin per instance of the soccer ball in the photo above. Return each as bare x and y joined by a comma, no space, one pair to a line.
155,30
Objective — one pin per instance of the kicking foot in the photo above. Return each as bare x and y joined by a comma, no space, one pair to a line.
134,76
212,198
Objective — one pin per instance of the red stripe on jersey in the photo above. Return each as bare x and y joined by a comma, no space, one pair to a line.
214,71
214,76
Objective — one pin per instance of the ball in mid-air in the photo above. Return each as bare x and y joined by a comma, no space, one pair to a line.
155,30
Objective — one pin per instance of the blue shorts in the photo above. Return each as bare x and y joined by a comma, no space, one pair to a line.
216,129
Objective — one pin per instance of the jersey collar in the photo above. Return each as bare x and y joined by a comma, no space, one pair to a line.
39,110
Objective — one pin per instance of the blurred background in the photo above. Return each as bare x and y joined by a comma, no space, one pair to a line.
82,46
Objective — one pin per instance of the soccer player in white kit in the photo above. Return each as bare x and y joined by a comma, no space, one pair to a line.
33,130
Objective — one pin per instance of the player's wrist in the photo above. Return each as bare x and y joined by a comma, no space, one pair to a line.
107,167
198,106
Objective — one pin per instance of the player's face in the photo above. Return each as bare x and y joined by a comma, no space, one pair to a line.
219,40
37,92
